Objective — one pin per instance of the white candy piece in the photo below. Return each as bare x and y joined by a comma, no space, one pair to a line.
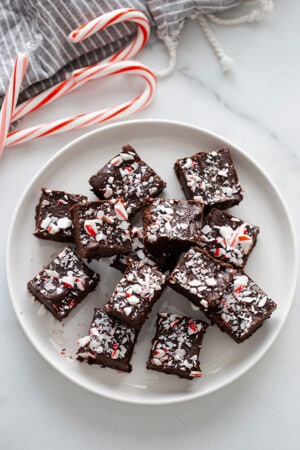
204,303
127,156
133,300
210,282
46,222
53,229
206,229
108,192
262,302
83,341
64,223
51,273
240,281
127,310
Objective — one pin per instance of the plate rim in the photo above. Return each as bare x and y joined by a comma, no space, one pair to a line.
254,360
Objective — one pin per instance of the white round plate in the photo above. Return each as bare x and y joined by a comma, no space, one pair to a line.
159,143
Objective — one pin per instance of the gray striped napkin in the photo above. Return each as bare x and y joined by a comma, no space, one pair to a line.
41,28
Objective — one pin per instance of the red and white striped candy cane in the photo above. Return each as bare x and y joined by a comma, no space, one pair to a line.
113,66
113,18
11,97
97,117
79,34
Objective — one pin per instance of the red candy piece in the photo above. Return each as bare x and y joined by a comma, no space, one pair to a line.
120,210
192,326
90,230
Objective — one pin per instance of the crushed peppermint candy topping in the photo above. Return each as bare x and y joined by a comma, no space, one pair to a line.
83,341
116,161
53,217
201,277
109,338
63,283
242,308
228,237
140,253
104,222
176,345
63,223
90,227
120,210
210,177
108,192
136,292
127,176
178,220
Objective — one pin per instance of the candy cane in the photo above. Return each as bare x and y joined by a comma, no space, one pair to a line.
112,18
112,66
11,97
81,33
87,119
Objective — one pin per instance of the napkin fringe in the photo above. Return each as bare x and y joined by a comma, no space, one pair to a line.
261,9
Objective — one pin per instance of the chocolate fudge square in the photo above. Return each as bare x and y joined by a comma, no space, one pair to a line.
176,346
63,283
135,294
210,178
172,225
163,261
128,177
201,278
242,309
109,343
228,238
101,228
53,220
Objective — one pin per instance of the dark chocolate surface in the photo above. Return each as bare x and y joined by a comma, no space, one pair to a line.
163,261
172,225
176,346
135,294
53,220
127,176
243,308
109,343
63,283
101,228
228,238
210,178
201,278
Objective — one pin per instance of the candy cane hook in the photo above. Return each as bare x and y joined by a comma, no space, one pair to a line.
78,35
97,117
113,65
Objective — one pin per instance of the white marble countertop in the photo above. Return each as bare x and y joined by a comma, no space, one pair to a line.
257,107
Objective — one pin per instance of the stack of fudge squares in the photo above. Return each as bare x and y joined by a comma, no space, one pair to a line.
191,245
